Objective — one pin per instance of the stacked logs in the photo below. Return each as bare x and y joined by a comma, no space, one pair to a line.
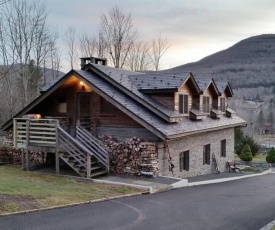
10,155
134,157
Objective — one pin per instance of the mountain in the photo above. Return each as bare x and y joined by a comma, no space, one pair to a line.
249,63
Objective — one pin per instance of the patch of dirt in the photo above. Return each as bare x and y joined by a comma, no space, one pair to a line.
10,203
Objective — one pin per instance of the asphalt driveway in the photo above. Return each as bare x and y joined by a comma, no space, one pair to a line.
242,204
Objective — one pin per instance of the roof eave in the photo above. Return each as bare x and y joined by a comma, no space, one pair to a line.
176,136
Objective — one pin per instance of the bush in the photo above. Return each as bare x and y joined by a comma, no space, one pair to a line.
246,154
270,157
241,140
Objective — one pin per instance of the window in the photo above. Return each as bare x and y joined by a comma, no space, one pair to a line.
106,108
184,161
223,148
183,104
206,154
222,104
206,106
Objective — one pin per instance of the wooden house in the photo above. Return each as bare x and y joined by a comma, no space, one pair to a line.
186,117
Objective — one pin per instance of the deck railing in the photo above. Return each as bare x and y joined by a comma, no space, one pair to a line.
34,132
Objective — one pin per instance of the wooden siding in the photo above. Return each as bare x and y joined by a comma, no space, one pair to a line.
67,93
183,90
166,99
207,93
226,100
118,118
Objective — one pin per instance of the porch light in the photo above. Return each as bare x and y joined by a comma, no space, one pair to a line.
82,85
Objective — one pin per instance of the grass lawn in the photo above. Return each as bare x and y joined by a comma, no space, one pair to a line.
21,190
257,158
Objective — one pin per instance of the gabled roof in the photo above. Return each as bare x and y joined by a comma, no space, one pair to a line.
224,87
48,90
121,79
118,89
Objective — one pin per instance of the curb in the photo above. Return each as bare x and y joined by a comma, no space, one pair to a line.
144,187
268,226
269,171
71,205
147,188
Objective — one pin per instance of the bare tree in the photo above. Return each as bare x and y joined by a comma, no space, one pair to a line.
159,46
118,35
139,57
25,36
87,45
3,1
71,42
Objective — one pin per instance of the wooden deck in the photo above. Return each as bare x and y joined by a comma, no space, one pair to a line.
83,153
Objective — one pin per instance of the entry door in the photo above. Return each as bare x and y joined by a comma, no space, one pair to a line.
84,109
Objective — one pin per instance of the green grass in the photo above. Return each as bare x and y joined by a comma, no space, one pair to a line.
45,190
258,158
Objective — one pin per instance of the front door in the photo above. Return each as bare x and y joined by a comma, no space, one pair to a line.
84,109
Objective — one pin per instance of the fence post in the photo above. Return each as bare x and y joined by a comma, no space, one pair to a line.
27,143
23,158
14,133
56,149
88,165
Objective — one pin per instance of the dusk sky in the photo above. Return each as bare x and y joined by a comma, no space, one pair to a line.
194,29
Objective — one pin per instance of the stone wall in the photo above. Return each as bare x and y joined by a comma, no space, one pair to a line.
194,144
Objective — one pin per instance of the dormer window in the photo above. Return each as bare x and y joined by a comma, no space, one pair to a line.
206,104
183,103
222,104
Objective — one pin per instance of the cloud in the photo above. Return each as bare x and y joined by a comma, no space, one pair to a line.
195,28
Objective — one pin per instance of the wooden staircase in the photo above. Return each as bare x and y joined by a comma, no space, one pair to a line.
85,154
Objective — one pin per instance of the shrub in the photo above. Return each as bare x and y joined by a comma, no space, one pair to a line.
270,157
246,154
241,140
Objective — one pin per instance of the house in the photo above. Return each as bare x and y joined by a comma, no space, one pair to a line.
187,117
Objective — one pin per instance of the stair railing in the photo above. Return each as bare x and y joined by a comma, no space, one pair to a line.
75,149
93,144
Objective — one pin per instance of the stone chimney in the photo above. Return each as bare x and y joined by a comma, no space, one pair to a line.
93,60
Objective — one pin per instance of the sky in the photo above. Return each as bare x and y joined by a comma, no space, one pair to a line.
194,28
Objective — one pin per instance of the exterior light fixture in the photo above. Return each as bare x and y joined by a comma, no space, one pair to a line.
82,85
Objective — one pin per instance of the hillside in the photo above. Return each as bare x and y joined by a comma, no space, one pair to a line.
249,63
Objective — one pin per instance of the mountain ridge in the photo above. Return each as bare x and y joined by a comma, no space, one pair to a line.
252,59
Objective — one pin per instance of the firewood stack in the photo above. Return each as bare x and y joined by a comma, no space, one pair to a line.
134,157
8,154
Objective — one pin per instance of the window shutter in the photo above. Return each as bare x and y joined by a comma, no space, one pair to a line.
187,161
185,101
208,154
204,104
180,162
208,104
180,103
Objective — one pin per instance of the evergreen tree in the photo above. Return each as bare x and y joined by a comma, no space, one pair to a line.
270,157
260,119
246,154
241,141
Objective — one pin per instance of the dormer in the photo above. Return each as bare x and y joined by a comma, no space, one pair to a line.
225,91
187,96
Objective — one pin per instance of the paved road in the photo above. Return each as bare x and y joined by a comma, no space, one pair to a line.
243,204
